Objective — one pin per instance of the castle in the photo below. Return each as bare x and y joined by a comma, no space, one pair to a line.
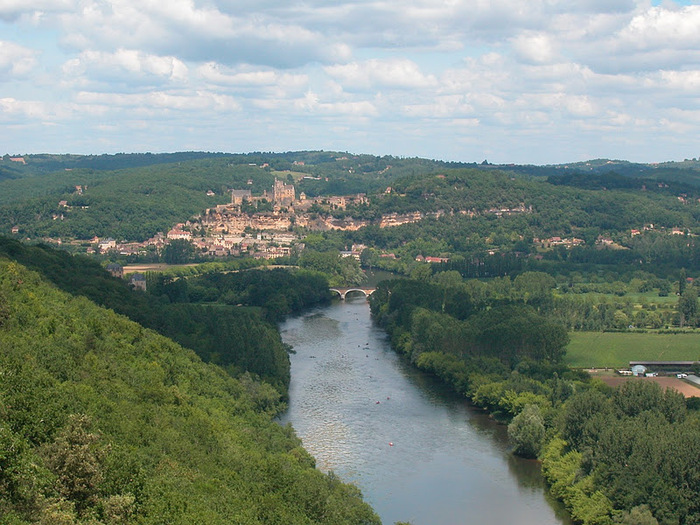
238,196
282,194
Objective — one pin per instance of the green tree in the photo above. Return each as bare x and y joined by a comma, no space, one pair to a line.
76,457
639,515
178,251
688,307
682,279
534,287
422,272
527,431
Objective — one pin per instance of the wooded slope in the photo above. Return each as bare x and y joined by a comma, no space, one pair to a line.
103,421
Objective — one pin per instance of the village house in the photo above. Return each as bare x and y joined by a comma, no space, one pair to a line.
436,259
116,270
178,233
138,281
107,245
350,253
559,241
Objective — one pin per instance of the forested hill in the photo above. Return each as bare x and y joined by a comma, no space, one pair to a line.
46,163
131,197
105,422
241,339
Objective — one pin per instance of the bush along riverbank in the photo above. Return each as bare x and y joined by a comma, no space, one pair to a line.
624,456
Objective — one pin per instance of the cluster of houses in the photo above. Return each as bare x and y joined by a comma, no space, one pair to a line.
650,227
551,242
430,259
233,230
263,245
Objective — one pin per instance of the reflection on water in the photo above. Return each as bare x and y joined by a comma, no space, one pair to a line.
417,452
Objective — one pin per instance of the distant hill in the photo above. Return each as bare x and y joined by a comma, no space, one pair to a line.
600,197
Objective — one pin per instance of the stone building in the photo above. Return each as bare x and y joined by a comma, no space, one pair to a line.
282,194
239,196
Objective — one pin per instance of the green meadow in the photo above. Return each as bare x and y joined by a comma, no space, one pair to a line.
617,349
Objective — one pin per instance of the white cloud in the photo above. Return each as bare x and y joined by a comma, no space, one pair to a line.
252,77
15,60
377,74
536,72
446,107
688,81
125,64
198,32
660,27
312,103
158,101
11,108
13,9
535,48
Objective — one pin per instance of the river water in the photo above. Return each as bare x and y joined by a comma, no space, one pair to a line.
417,452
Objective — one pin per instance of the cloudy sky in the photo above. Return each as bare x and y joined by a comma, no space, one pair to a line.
523,81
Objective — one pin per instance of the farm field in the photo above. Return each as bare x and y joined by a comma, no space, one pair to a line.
154,267
687,389
616,350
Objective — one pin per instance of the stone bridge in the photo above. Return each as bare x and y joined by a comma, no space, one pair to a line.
344,291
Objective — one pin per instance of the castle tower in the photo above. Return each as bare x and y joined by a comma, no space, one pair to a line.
282,194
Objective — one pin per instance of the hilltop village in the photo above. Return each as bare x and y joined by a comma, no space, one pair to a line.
274,224
268,225
263,225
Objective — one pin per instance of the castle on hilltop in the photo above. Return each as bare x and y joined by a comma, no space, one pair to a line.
283,194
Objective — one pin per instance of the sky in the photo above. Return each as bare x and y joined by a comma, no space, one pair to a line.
508,81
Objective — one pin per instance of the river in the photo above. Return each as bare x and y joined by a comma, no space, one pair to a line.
417,452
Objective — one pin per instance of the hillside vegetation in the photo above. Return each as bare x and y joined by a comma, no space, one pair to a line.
234,329
103,421
134,196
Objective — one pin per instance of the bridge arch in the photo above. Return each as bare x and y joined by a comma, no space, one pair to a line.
342,292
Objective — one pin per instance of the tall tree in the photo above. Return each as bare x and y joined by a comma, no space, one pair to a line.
688,307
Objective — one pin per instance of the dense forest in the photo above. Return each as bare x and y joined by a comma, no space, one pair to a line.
103,421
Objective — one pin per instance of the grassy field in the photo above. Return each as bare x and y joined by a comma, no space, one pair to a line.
616,350
154,267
